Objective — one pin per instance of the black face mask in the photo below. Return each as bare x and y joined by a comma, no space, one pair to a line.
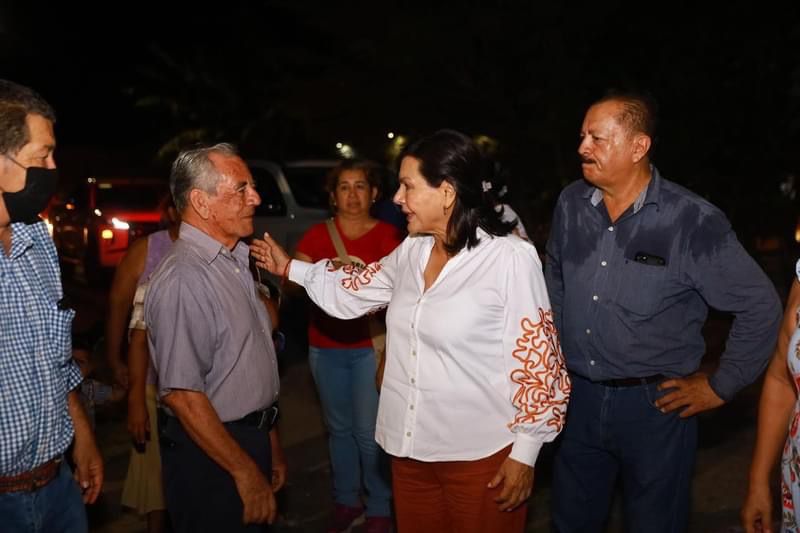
26,204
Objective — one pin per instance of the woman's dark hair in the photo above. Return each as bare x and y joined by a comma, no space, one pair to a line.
371,170
450,156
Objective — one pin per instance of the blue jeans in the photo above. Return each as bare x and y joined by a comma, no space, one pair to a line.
55,508
617,431
345,380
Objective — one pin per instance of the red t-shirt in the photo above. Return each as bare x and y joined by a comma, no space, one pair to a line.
325,331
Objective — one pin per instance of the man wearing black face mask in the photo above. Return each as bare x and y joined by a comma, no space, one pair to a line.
40,411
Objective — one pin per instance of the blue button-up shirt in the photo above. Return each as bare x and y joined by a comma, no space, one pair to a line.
630,296
36,366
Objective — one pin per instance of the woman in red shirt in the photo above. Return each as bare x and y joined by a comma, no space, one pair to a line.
341,354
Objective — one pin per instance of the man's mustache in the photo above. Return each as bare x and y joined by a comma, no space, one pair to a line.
587,161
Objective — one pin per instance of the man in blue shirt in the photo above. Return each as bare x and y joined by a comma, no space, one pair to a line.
633,263
40,410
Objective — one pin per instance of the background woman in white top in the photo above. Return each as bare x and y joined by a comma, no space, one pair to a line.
475,381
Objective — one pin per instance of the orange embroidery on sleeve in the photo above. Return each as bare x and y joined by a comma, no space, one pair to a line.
544,385
358,277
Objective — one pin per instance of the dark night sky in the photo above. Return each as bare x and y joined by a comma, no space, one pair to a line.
285,79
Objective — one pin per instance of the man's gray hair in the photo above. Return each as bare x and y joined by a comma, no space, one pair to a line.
193,169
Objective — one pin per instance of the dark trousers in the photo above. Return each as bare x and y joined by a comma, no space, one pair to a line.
200,495
612,432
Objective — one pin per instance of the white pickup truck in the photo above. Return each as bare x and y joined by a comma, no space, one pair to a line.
293,198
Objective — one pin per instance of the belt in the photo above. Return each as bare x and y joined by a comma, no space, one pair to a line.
262,419
630,382
31,480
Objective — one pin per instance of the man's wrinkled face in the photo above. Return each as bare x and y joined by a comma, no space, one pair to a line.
232,208
606,148
38,152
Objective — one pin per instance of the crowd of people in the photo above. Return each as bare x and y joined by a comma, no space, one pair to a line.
444,360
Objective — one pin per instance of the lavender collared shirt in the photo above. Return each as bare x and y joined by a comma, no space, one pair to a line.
207,329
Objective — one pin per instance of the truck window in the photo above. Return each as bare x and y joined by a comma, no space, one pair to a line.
272,204
308,185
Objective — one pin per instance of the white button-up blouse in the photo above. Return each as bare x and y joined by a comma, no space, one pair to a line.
473,363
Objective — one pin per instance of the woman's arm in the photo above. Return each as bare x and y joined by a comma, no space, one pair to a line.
778,397
538,381
535,368
138,362
346,292
123,287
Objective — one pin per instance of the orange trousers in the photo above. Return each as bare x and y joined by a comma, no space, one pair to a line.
451,496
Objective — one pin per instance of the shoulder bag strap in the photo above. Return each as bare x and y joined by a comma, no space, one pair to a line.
344,257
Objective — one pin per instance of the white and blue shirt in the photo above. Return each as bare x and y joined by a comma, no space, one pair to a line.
36,366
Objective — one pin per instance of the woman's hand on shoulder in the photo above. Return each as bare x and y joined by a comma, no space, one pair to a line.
269,255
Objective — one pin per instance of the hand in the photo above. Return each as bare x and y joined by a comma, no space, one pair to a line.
88,468
138,420
121,376
517,480
692,392
257,497
269,255
279,468
756,512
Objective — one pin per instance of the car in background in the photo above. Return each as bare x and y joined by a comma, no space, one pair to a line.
293,198
94,224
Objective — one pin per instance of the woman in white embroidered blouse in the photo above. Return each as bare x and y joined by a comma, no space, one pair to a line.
475,381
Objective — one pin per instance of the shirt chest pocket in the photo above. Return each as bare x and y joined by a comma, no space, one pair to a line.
59,323
642,287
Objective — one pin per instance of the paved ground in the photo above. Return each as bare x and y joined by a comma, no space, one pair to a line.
726,438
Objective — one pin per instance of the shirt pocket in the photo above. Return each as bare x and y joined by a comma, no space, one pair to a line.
60,333
641,288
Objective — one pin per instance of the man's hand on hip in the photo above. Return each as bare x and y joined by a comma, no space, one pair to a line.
692,393
257,497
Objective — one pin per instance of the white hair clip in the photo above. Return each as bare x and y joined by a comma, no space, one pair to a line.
487,186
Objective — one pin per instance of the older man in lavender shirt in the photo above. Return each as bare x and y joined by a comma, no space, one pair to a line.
209,340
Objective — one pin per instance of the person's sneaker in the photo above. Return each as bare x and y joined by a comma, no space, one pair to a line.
344,518
378,524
